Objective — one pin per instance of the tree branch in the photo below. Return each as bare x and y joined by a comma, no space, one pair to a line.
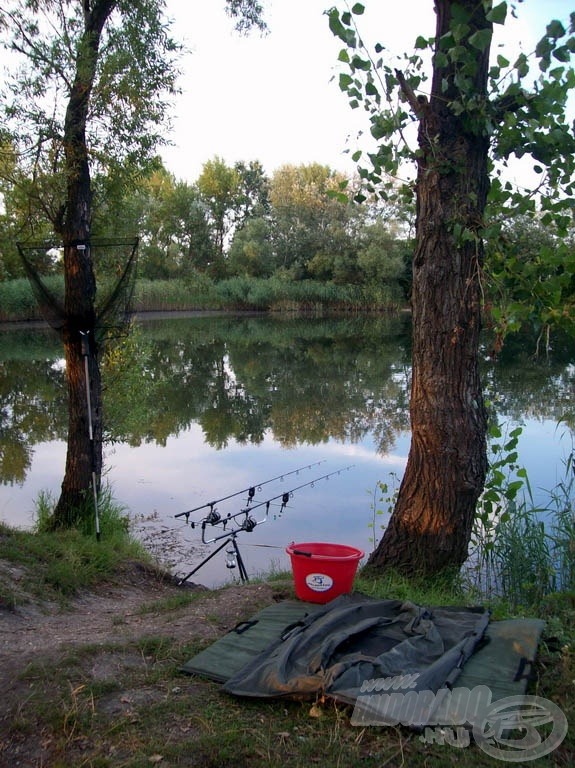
418,104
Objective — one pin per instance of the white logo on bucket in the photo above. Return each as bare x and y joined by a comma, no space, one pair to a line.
319,582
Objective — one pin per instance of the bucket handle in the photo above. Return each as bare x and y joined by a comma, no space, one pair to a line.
317,556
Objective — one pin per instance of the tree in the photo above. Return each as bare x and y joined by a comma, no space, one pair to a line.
220,189
531,279
173,224
459,123
381,256
309,218
102,104
254,192
90,89
251,251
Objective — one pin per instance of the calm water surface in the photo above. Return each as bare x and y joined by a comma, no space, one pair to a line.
201,408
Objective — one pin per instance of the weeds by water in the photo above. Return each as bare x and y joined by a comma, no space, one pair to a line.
521,551
522,554
200,292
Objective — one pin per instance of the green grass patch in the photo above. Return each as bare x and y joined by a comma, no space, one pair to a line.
56,565
171,603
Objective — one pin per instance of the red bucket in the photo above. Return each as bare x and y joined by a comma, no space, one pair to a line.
323,571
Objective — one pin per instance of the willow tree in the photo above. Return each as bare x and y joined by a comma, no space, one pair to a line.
472,117
89,92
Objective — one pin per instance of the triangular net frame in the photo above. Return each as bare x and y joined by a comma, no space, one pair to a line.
113,304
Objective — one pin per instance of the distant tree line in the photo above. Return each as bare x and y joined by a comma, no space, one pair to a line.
300,223
235,220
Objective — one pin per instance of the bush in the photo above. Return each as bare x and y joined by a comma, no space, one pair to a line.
17,299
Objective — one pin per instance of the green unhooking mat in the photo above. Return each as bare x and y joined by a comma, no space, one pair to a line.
246,641
302,649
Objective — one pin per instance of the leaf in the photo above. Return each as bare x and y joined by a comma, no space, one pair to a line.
358,9
359,63
440,60
421,42
498,14
522,65
555,29
562,53
480,39
371,89
345,81
335,25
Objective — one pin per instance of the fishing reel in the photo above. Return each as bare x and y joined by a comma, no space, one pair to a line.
248,524
213,517
230,525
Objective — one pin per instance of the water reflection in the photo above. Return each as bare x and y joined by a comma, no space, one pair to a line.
200,407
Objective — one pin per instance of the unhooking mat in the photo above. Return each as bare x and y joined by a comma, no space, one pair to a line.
501,660
337,648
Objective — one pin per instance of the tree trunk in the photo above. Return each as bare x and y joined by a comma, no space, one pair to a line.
431,525
84,450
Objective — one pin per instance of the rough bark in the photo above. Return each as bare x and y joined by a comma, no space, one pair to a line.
431,525
84,455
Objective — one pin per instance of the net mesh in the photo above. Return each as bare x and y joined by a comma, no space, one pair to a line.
114,299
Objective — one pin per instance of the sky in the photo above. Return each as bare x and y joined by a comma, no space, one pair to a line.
276,98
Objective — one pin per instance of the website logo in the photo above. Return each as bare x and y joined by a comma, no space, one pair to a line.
513,729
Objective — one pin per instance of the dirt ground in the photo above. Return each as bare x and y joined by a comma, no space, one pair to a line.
114,615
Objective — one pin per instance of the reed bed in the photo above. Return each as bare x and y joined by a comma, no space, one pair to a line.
201,293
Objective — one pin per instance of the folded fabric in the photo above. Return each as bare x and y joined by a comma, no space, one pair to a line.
355,641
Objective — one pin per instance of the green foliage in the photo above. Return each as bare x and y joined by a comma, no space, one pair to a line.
524,117
134,79
196,292
530,271
220,188
199,292
562,528
521,552
251,251
313,221
17,300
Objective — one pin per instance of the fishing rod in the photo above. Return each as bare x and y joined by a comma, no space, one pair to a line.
251,491
286,496
248,524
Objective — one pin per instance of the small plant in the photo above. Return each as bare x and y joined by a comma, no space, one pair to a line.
498,503
562,528
383,494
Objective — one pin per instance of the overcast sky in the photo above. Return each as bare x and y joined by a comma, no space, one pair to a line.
274,99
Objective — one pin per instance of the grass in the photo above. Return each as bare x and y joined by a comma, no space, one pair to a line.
59,565
523,553
153,714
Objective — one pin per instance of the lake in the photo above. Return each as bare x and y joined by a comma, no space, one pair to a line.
202,408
